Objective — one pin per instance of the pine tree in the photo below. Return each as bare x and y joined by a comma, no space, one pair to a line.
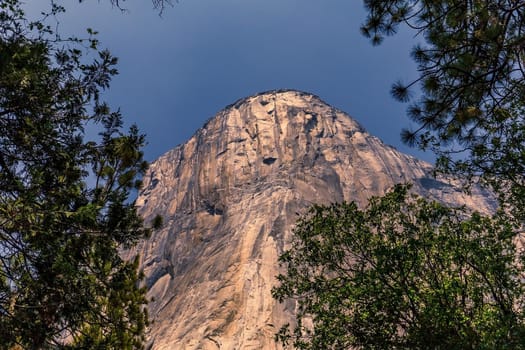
472,76
64,195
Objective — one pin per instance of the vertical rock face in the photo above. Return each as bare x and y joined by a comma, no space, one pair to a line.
230,197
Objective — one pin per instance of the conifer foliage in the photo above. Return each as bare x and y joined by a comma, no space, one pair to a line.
471,60
64,196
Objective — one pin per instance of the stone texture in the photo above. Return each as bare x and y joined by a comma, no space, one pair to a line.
230,197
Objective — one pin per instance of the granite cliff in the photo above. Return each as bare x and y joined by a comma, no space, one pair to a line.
230,197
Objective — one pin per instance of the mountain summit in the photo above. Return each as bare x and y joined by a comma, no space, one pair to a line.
230,197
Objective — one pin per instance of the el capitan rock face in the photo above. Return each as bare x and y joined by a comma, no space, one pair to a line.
230,197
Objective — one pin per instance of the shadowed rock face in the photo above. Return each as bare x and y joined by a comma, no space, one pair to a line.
230,197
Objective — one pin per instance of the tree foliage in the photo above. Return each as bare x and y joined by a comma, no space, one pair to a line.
472,77
159,5
64,197
404,273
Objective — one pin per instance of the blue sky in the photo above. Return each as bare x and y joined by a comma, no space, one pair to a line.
178,70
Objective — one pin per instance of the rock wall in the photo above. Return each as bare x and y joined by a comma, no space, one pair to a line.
230,197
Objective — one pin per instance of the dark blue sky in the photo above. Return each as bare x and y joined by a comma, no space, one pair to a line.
179,70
